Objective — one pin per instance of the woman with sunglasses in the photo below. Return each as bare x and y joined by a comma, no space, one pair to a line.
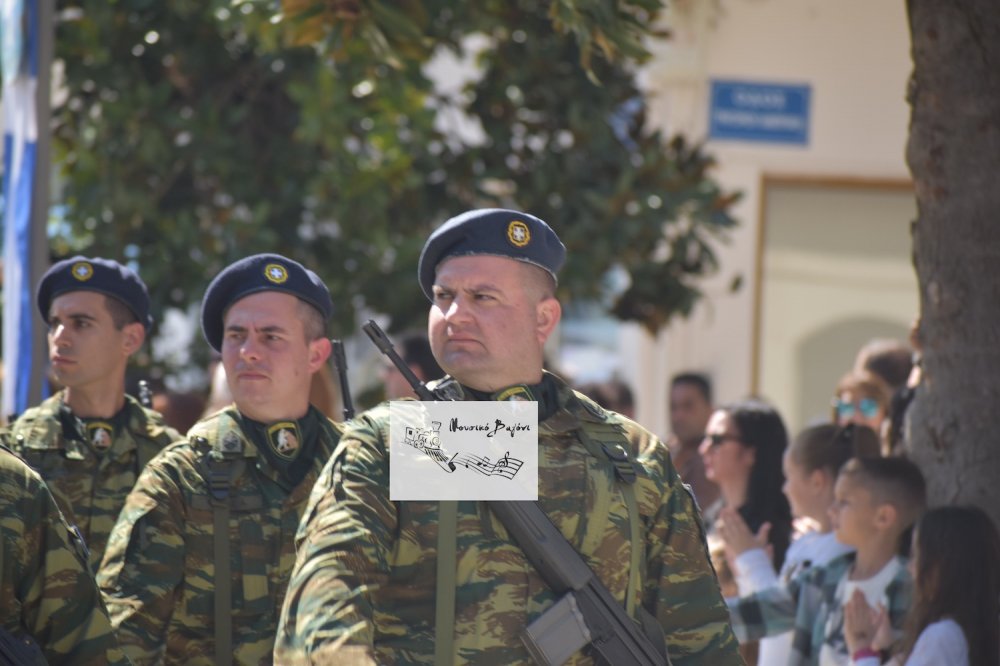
742,451
862,398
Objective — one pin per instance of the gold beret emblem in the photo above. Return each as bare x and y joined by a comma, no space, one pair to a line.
518,233
276,273
82,271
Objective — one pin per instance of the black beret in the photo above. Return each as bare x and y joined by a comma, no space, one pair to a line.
104,276
261,272
494,231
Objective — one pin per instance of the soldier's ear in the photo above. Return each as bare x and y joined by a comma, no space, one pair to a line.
134,335
319,352
547,315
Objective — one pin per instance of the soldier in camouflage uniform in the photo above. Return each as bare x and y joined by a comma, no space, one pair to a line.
199,561
90,441
365,586
47,592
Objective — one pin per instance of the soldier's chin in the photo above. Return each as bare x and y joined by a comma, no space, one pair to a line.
60,376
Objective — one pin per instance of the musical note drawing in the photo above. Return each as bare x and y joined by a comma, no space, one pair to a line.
428,441
507,467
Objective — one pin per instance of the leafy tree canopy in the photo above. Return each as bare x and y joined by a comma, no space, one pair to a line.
194,133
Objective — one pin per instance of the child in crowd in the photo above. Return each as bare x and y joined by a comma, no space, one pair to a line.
810,465
952,621
875,502
862,398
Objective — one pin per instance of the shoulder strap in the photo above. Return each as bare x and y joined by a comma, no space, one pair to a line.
613,447
217,469
145,445
444,608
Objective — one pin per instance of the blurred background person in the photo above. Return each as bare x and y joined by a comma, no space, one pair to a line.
690,409
889,359
895,362
742,452
862,398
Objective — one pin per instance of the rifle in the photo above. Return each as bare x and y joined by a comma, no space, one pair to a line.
384,344
19,650
586,613
340,365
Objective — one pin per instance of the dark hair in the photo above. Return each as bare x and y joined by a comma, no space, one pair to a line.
954,542
827,447
761,428
416,350
313,323
891,360
895,481
697,380
121,314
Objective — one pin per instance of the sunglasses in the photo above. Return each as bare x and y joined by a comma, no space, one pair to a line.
718,439
866,406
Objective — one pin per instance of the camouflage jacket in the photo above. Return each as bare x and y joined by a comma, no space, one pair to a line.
46,588
158,572
89,486
363,590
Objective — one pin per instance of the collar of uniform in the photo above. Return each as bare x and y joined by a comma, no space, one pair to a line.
288,471
545,393
76,431
306,430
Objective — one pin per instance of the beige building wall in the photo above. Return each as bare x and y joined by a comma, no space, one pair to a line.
855,56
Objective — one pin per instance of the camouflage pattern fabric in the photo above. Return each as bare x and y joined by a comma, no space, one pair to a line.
46,588
364,583
90,485
158,572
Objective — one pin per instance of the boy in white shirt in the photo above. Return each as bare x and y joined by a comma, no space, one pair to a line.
876,501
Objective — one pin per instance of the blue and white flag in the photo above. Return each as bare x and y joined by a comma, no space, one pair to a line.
19,40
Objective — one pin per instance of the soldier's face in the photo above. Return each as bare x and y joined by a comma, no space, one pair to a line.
489,321
268,362
85,348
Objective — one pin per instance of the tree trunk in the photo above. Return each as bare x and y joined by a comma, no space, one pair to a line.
954,156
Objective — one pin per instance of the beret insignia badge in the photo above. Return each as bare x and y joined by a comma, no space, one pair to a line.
82,271
276,273
518,233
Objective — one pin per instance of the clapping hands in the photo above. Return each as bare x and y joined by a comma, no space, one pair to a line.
864,626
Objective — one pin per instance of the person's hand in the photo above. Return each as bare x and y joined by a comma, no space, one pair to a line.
864,626
737,535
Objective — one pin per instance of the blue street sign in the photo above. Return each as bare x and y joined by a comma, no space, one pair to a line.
768,112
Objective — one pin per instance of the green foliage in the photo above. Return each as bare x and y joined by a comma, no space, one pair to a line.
195,133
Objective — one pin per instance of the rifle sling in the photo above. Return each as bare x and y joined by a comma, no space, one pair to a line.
444,608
